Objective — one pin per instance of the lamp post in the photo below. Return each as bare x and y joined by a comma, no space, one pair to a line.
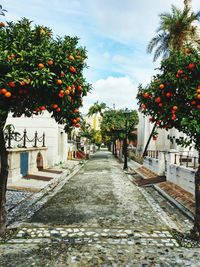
126,114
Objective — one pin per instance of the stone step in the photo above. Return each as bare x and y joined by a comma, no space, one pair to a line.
146,172
38,177
148,181
50,171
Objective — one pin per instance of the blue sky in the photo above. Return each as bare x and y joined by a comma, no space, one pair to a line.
115,34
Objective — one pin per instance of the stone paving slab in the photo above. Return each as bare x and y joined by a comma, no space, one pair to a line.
95,235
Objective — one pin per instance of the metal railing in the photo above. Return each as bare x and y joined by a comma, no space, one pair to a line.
23,138
153,154
186,160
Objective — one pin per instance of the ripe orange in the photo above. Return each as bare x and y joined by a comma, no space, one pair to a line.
59,82
198,96
158,100
2,24
23,83
187,51
145,95
72,69
173,117
175,108
168,94
71,57
143,106
11,84
50,62
67,92
62,91
162,86
40,65
55,106
3,91
78,119
8,94
191,66
198,91
69,88
179,72
61,95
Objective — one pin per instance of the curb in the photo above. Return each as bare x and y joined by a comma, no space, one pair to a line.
174,202
187,212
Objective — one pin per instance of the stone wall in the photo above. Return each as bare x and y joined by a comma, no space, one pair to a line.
55,136
14,161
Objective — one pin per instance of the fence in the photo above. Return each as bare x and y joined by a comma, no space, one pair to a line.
23,138
152,154
186,160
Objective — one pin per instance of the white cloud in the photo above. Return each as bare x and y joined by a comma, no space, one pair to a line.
126,21
120,91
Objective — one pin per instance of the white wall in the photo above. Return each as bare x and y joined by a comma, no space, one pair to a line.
155,165
162,142
55,137
182,176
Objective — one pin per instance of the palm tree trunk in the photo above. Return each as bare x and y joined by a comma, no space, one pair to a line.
3,174
196,229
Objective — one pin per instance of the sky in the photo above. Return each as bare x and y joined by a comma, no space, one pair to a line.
115,34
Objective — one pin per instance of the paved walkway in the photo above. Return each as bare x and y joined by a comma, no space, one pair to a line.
100,218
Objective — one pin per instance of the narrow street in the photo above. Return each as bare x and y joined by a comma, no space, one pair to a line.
100,218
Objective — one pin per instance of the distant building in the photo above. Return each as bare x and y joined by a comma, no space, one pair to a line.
94,121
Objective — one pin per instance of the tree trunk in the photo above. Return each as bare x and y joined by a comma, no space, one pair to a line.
148,141
3,177
125,154
196,229
113,147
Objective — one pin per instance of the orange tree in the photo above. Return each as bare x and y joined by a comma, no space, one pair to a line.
37,73
172,99
113,127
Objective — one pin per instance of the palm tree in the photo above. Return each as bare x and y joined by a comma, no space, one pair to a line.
97,108
2,11
176,30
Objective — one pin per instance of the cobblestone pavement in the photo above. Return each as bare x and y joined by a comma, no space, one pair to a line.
100,218
14,197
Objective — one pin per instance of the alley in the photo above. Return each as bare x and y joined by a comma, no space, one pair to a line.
99,218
